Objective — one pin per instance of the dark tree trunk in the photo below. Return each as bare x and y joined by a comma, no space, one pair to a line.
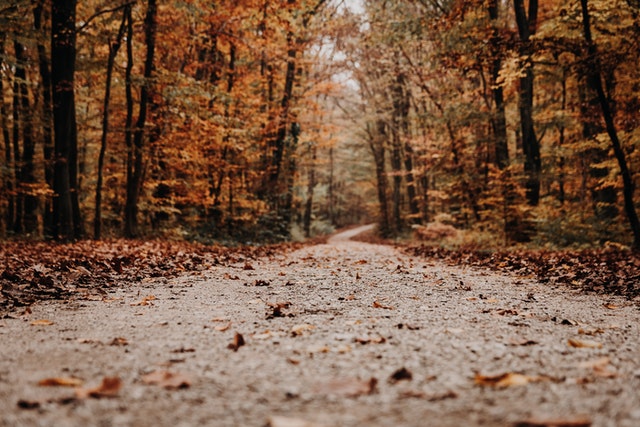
134,185
29,202
114,47
63,55
527,23
607,114
47,116
377,138
498,118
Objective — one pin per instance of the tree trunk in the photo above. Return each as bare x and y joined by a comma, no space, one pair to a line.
134,185
63,55
47,131
114,46
29,202
498,118
7,176
308,208
527,23
377,138
607,114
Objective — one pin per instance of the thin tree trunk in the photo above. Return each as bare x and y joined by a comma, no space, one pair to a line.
7,177
376,143
114,47
308,208
63,53
134,186
628,185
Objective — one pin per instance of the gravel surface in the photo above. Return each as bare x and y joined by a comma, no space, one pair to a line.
338,334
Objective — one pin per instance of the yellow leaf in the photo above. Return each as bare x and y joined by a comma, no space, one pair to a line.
298,330
42,322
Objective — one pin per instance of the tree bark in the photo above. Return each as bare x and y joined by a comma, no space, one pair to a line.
7,178
607,114
47,116
498,118
527,23
114,47
136,178
63,56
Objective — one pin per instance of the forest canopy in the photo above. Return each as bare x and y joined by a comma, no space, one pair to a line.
265,120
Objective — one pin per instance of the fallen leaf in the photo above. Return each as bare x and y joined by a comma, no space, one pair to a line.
376,304
60,382
28,404
611,306
167,379
145,301
349,387
119,341
277,309
522,342
238,341
557,422
594,331
431,397
41,322
223,328
278,421
400,375
109,387
577,343
505,380
301,329
370,340
248,266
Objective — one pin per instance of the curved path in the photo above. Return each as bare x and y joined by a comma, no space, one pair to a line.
339,334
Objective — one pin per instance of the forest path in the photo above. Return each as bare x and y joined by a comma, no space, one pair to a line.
337,334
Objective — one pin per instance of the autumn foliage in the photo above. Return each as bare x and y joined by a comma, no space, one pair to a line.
260,120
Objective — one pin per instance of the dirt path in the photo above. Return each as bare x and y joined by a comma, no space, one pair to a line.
327,331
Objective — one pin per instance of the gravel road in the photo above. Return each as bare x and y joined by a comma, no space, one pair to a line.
337,334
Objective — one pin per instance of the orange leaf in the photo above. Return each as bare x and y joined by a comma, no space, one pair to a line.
109,387
574,342
376,304
42,322
238,341
60,381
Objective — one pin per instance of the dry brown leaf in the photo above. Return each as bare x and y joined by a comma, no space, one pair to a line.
370,340
145,301
505,380
376,304
41,322
301,329
61,382
594,331
557,422
109,387
119,341
400,375
349,387
577,343
611,306
238,341
167,379
431,397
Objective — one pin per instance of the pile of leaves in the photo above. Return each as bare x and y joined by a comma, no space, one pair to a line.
612,271
33,271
